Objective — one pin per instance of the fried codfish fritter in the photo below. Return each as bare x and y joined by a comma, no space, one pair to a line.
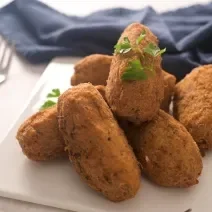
39,136
138,100
94,69
97,146
169,84
166,151
193,105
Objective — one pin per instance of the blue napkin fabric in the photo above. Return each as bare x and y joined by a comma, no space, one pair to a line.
40,33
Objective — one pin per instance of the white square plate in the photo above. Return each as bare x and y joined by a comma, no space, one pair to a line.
56,183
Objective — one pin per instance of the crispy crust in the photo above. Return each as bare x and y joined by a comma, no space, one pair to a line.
137,101
166,151
192,105
39,136
94,69
97,146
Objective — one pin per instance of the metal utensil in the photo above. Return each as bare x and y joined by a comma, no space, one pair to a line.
6,51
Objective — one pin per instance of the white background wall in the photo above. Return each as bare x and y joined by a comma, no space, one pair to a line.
83,7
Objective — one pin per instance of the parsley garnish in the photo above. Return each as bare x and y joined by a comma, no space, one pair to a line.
153,50
134,71
123,47
141,37
47,104
55,93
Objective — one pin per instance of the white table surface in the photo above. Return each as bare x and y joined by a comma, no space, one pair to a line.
23,76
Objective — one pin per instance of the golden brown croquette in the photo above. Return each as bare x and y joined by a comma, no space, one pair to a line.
138,100
96,144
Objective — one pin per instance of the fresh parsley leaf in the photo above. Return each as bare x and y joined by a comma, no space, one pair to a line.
153,50
54,93
141,37
126,39
135,64
134,75
123,47
134,71
47,104
162,51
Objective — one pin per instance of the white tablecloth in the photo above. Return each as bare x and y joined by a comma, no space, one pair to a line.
23,76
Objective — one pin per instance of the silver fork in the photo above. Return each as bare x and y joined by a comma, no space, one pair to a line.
6,51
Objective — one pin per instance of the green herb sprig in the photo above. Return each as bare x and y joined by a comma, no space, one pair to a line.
153,50
135,70
47,104
123,47
141,37
55,93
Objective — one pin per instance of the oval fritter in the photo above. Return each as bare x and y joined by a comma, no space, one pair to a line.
166,151
137,100
93,68
96,144
193,105
39,136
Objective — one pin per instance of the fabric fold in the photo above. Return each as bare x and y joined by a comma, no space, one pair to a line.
40,33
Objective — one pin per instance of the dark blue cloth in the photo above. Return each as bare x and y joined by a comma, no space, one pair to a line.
40,33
